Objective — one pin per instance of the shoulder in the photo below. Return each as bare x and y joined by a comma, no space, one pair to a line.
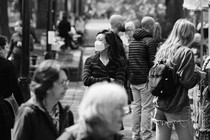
184,52
92,58
6,63
70,133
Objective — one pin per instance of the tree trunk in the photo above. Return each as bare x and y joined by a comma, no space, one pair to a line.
42,14
174,11
4,22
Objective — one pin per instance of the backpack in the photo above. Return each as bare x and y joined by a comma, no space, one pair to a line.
160,80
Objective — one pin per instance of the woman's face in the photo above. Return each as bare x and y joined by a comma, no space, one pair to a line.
115,118
129,32
101,38
60,86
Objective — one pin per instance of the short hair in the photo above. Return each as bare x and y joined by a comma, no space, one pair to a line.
99,99
130,24
115,20
3,41
44,77
147,21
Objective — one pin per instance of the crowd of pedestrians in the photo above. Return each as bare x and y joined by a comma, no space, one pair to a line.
114,80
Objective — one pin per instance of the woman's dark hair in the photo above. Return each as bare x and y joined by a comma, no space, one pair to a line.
114,47
3,41
44,77
110,37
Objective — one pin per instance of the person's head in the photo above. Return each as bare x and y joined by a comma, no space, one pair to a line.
157,33
129,28
18,26
64,16
181,35
106,40
103,106
3,46
197,37
49,81
117,23
147,24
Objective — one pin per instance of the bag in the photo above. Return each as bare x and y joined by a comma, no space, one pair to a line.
13,103
9,107
160,80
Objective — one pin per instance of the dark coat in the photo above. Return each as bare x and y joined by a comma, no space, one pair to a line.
142,52
8,81
8,85
34,123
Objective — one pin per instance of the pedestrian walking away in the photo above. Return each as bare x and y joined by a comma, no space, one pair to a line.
174,110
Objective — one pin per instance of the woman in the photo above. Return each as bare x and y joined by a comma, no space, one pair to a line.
8,85
175,109
157,34
100,115
106,64
43,117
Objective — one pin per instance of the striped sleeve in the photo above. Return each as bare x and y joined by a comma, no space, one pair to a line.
87,77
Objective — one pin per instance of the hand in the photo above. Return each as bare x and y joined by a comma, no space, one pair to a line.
203,75
19,43
112,79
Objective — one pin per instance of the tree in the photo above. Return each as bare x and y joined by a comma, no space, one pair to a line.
4,22
42,14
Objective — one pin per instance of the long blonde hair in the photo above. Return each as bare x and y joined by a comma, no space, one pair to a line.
182,34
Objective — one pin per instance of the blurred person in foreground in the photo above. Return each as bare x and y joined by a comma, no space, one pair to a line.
174,110
100,114
8,85
43,117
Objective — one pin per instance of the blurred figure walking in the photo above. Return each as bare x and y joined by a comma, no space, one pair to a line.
15,51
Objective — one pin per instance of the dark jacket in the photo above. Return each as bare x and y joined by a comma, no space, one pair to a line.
78,132
184,73
142,52
95,71
8,81
34,123
64,27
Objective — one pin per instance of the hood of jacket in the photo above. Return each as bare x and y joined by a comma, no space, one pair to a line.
140,33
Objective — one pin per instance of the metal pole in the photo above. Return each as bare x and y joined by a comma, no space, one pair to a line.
24,79
49,23
209,30
202,38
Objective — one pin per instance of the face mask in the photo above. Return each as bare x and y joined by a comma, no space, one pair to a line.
99,46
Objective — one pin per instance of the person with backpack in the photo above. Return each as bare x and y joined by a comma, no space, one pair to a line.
8,86
174,109
43,117
142,52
